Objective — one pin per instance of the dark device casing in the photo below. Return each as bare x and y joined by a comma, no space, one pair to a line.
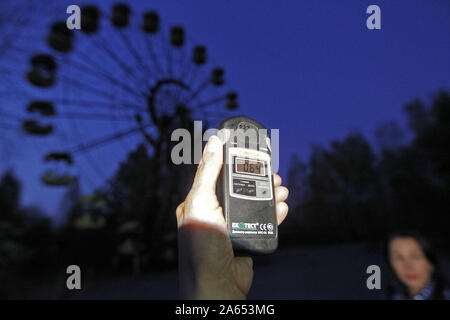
262,212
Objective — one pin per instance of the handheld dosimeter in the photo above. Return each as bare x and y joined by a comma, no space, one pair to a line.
245,187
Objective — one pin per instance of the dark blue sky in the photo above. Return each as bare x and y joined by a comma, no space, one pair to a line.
309,68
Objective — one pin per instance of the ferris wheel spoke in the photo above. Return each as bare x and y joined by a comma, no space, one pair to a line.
98,171
122,143
97,168
153,56
16,94
197,91
13,53
90,116
114,57
106,139
101,46
134,53
169,62
163,44
91,162
100,74
193,74
27,37
204,104
92,104
185,64
8,126
199,75
97,44
83,86
9,40
9,115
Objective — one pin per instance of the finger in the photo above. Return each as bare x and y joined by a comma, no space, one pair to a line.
209,168
281,193
282,211
179,211
276,180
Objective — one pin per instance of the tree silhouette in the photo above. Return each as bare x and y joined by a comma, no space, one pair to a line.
9,195
355,194
26,240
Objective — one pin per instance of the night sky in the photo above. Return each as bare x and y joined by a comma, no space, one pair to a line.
309,68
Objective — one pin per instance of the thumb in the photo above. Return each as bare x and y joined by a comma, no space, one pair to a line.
209,167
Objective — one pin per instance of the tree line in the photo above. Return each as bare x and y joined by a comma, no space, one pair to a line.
349,191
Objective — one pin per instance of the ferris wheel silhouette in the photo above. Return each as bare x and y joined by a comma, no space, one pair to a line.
123,79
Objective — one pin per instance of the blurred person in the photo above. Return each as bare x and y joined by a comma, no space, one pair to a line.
414,268
208,268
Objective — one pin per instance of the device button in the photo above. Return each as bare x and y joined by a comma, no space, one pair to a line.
263,193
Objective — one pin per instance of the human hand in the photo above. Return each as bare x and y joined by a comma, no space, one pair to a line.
208,268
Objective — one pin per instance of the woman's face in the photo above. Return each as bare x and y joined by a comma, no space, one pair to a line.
409,263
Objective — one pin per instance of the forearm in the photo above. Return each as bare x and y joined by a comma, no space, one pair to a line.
206,264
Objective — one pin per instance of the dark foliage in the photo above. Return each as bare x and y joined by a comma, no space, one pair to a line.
348,192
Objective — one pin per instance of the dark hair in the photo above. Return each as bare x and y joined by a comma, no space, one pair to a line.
394,283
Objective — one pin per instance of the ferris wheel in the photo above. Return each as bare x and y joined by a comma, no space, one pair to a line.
124,79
